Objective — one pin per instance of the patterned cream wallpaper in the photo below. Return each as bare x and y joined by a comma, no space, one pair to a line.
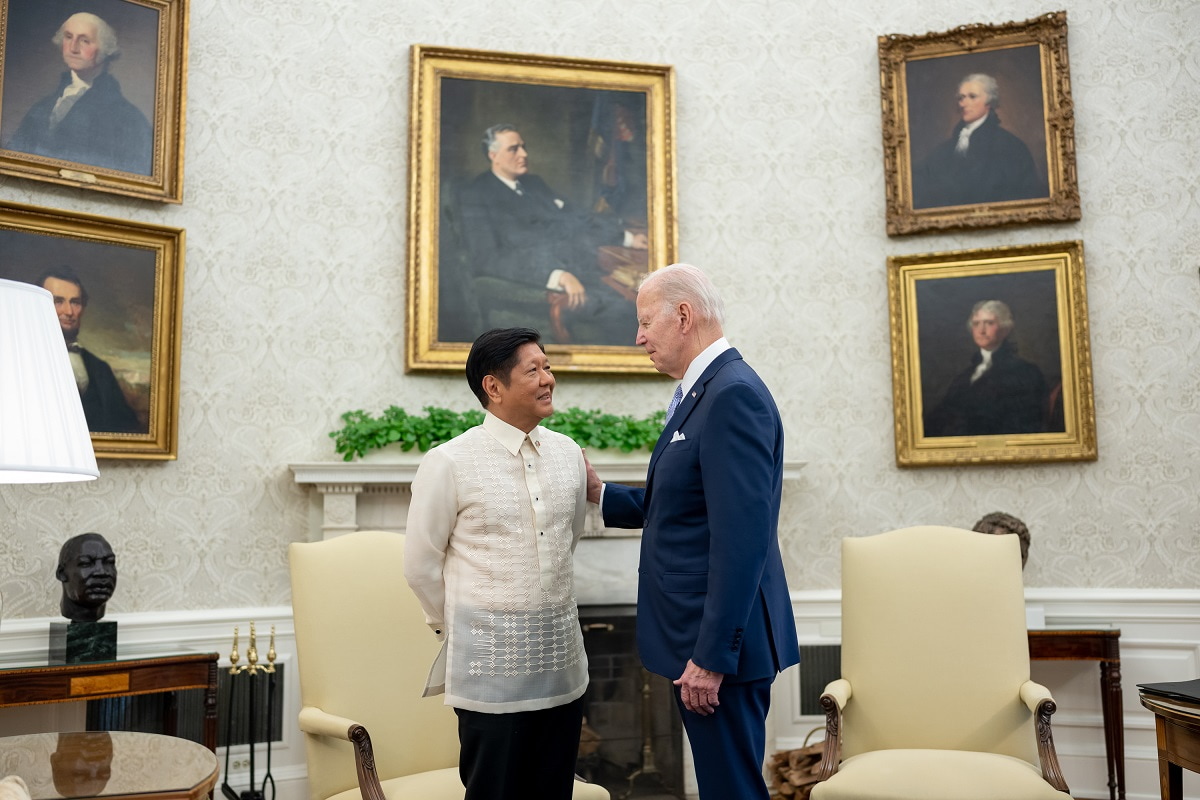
295,214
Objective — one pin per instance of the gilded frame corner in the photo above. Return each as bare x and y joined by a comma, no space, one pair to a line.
151,77
133,274
918,78
547,98
940,417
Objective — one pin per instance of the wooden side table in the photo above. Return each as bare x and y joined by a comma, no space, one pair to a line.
1177,729
1103,645
114,765
36,684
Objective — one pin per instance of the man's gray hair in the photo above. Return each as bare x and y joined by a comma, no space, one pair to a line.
679,283
489,136
990,87
1000,309
106,37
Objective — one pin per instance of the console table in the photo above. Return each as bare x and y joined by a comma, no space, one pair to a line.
34,684
1103,645
114,765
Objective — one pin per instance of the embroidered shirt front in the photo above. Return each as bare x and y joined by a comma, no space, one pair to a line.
492,528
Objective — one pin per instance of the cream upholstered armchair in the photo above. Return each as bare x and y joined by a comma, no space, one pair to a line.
363,652
935,701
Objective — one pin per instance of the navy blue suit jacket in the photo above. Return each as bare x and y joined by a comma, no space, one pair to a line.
711,586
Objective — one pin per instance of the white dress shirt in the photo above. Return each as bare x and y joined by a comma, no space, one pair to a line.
964,136
69,97
702,362
985,363
492,528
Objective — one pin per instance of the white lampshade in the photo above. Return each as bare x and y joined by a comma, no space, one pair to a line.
44,436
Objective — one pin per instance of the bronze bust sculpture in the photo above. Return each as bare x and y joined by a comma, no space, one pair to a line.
87,569
998,522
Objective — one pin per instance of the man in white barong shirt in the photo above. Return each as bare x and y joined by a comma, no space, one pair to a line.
495,516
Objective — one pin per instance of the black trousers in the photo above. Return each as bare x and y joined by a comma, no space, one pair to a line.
526,754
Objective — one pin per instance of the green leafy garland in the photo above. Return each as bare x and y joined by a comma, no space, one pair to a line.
590,429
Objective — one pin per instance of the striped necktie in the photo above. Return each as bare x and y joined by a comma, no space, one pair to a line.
675,400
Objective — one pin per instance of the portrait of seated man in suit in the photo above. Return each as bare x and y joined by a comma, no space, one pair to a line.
86,118
517,231
981,162
104,402
998,392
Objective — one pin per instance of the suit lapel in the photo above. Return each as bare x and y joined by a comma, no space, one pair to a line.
684,410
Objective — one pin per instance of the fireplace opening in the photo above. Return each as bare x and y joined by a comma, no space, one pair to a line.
632,741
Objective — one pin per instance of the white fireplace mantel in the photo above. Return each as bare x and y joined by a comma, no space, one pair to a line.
374,492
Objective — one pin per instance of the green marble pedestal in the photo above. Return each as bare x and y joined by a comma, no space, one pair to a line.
78,642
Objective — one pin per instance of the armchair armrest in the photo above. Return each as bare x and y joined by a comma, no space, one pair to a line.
320,723
1033,694
1038,700
837,695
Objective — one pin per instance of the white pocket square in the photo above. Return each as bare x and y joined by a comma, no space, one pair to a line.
677,437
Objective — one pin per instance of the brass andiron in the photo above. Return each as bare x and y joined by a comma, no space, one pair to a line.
252,666
648,767
251,669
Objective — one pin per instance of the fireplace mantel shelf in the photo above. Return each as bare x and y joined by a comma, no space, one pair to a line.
621,467
339,486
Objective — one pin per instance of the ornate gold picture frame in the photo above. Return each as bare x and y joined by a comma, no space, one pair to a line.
93,96
978,126
540,190
118,288
1031,401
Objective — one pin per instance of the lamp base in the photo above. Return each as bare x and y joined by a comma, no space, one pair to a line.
80,642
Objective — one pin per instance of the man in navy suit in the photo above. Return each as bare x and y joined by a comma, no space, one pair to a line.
714,613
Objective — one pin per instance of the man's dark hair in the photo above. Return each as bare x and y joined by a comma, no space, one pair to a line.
495,353
65,273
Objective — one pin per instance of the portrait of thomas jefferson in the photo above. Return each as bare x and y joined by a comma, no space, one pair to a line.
976,129
998,391
990,366
64,96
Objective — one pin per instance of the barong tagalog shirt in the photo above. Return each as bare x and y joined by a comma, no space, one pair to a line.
492,528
